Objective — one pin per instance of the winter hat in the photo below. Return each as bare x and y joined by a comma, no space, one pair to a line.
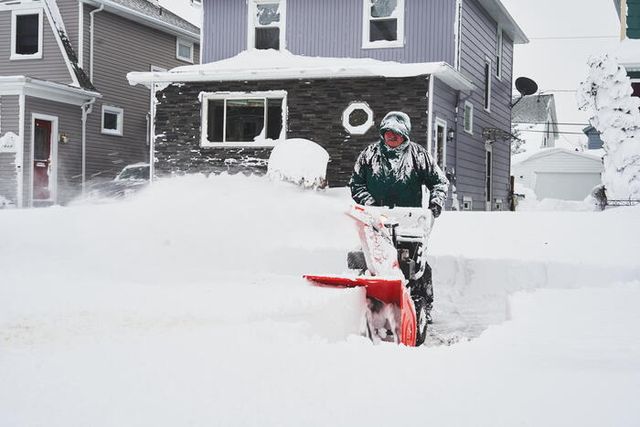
397,122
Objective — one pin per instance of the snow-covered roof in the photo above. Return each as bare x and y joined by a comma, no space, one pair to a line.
629,54
534,109
150,14
30,85
71,58
497,11
283,65
525,157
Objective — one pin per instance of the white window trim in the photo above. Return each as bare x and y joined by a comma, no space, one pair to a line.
120,113
488,168
14,14
251,23
363,128
458,34
486,102
205,97
442,123
189,58
467,203
53,178
464,111
366,28
499,52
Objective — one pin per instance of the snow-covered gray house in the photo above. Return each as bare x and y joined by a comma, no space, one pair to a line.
329,71
67,112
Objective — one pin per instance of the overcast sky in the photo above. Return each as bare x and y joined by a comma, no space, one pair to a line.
559,64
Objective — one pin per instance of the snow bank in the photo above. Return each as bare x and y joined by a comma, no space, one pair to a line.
185,305
300,161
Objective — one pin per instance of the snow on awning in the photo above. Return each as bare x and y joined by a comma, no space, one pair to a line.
629,54
283,65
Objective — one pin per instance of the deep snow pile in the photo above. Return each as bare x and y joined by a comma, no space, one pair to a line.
185,306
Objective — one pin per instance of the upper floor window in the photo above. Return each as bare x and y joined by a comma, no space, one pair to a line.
499,47
487,84
243,119
26,34
383,23
184,50
267,20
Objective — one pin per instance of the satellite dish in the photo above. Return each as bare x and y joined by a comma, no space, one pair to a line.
526,86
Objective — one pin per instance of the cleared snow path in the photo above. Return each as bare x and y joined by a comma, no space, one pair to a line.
185,306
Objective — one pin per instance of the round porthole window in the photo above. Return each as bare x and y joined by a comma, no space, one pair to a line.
357,118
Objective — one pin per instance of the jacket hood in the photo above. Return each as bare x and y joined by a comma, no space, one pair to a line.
397,122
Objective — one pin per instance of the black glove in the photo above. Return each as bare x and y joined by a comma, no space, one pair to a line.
435,209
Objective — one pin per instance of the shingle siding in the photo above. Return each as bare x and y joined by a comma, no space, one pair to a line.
315,110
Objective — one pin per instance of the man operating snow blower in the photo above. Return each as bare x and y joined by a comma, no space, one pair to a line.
391,173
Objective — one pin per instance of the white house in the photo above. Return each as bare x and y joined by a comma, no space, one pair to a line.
558,173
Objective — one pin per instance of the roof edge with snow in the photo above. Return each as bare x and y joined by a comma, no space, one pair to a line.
11,85
525,157
148,20
497,11
275,65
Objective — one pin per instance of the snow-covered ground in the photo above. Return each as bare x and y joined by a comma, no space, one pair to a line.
185,306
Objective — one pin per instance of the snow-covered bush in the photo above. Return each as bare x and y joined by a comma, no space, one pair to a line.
299,161
607,96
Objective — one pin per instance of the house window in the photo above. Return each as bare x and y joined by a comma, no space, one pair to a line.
440,146
468,117
383,23
357,118
245,119
184,50
467,203
26,34
267,20
635,84
499,47
487,84
112,120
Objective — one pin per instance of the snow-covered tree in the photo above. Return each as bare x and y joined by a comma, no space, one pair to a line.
607,96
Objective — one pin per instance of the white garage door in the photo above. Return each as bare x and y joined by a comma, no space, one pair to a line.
565,186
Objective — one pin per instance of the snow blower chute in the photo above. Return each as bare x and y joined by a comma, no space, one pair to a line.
392,257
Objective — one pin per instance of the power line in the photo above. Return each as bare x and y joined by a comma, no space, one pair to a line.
574,37
551,123
551,133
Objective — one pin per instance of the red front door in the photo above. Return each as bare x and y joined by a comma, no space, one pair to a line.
41,160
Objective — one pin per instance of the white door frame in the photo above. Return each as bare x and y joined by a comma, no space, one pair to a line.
442,123
488,176
53,177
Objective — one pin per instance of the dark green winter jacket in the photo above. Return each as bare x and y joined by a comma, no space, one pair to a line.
385,176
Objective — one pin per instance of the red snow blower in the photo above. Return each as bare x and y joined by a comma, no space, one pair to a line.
392,256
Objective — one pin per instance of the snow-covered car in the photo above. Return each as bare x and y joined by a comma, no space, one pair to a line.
131,179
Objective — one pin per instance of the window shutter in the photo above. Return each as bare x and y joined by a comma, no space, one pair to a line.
633,19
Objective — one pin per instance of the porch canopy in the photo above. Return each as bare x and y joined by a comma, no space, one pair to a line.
283,65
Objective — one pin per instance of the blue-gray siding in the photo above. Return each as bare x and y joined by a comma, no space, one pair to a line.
333,28
9,122
479,39
122,46
69,154
50,67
